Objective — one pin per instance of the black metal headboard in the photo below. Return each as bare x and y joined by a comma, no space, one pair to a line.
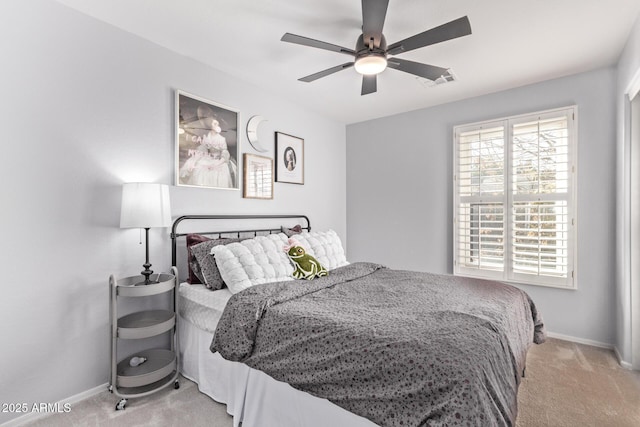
220,233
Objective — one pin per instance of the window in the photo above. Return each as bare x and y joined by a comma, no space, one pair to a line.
514,201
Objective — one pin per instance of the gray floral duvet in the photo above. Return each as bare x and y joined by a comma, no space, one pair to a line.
400,348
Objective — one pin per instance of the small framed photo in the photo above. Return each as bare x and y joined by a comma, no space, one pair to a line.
207,144
289,159
258,177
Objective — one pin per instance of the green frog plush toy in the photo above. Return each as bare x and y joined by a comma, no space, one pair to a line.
305,266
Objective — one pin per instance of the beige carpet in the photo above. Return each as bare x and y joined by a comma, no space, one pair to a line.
571,384
566,385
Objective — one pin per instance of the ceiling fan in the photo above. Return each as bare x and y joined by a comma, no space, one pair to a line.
372,55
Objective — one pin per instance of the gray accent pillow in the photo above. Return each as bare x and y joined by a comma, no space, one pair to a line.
205,267
194,239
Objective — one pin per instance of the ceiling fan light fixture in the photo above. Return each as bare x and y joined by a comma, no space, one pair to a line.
371,64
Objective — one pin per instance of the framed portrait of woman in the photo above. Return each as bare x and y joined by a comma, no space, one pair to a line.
207,143
289,159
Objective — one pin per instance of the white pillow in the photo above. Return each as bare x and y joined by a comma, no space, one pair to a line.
325,246
253,261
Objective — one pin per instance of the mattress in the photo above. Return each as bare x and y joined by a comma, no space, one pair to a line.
252,397
201,306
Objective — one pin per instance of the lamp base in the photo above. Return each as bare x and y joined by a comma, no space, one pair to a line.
146,272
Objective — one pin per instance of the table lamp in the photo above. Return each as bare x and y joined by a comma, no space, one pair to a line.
145,205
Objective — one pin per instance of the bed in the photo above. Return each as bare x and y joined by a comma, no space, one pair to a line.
363,346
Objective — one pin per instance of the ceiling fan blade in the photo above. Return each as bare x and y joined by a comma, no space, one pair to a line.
306,41
457,28
369,84
373,15
328,71
427,71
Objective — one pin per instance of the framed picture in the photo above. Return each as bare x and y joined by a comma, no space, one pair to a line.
258,177
289,159
207,143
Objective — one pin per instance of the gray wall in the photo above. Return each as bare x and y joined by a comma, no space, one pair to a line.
86,107
628,65
399,192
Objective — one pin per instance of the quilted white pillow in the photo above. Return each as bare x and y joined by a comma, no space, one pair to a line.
325,246
253,261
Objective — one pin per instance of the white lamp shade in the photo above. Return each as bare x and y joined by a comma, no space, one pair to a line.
145,205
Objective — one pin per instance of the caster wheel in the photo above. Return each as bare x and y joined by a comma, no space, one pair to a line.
121,405
111,389
176,385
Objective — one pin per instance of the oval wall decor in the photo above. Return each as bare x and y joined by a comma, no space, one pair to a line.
252,132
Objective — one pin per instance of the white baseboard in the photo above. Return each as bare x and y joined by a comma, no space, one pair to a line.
623,363
68,401
579,340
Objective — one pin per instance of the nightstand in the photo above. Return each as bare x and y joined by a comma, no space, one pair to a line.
159,366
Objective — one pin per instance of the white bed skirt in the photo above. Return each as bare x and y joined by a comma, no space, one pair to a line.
252,397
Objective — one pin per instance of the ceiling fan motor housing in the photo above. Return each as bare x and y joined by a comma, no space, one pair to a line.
368,48
370,59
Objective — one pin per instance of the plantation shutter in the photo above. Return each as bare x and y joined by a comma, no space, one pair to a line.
514,197
481,190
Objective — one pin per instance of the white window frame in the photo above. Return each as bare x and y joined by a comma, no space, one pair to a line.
507,200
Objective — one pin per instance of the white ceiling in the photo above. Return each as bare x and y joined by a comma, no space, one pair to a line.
514,43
